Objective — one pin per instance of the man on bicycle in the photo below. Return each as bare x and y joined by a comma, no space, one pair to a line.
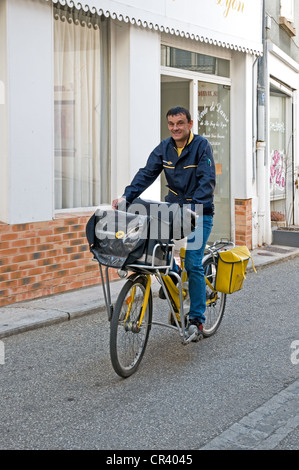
188,164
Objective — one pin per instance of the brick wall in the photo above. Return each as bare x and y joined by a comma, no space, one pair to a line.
243,222
44,258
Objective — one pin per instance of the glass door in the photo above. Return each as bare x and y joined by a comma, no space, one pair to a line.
175,91
212,101
214,124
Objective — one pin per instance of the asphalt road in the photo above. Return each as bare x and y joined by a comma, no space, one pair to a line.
59,391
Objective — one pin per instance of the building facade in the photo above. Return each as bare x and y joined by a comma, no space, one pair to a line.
84,93
282,81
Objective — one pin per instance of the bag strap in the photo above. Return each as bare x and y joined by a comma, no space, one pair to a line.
243,269
246,252
253,265
90,230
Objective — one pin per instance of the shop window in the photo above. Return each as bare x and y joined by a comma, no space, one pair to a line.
281,157
187,60
82,163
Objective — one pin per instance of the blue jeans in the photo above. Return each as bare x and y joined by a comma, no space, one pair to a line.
196,243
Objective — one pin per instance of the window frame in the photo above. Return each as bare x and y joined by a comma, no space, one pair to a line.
92,208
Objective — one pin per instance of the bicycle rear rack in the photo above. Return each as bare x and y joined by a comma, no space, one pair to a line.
106,291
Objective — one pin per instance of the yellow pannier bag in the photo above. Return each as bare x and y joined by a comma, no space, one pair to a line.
231,269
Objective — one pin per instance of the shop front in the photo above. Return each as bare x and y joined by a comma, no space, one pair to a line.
281,153
91,108
206,54
202,83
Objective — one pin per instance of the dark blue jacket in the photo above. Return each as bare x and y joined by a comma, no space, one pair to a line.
191,177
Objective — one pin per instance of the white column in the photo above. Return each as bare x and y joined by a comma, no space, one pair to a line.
241,130
296,156
241,127
29,151
3,116
144,100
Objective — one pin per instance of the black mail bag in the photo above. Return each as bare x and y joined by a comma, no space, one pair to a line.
117,238
141,235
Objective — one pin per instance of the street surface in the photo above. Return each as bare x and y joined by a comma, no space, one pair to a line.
59,391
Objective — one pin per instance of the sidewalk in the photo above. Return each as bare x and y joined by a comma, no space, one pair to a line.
24,316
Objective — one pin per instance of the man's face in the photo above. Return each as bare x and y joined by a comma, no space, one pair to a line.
179,128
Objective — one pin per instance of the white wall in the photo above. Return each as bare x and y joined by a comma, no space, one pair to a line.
135,110
241,127
145,107
241,130
120,108
3,117
30,111
249,174
296,155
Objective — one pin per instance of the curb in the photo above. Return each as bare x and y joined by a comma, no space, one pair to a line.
41,312
46,311
276,260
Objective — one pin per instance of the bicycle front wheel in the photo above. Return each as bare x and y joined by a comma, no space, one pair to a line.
128,337
215,302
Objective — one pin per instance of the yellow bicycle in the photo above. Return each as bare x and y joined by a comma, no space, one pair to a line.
131,318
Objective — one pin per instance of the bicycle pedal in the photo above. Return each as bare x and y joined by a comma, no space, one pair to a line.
191,338
194,334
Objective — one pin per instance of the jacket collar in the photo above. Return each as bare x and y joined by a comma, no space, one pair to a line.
190,138
180,149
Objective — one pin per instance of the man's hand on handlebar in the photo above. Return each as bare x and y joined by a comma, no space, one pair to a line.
117,203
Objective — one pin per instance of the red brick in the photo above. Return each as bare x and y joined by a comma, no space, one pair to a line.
69,235
4,245
45,232
9,236
44,258
61,229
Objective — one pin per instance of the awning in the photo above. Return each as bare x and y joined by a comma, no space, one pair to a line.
233,24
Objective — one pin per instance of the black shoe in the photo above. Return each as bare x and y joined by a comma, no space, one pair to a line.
161,291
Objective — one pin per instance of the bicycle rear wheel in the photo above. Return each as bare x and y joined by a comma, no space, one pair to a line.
128,340
215,302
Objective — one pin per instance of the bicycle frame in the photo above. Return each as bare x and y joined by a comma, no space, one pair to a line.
139,269
172,293
175,294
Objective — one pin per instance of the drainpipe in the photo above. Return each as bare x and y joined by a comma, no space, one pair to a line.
261,147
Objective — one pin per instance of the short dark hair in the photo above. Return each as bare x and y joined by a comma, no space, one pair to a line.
179,110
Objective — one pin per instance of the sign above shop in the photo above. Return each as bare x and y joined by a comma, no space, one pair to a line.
235,24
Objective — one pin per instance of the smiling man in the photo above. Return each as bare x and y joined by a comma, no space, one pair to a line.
188,164
179,126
